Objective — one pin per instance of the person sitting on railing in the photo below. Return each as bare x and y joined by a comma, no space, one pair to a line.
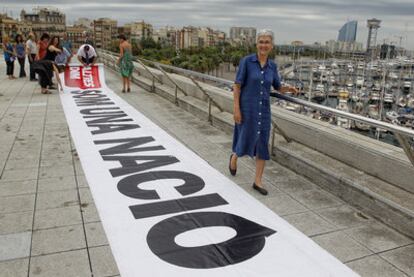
87,55
252,116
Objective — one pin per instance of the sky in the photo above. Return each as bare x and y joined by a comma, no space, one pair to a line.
305,20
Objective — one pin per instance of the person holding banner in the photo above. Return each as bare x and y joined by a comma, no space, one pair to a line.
252,116
53,49
45,69
87,55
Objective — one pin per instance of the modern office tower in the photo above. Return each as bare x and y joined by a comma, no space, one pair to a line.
348,32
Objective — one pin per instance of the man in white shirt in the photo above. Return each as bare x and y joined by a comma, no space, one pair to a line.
87,55
31,50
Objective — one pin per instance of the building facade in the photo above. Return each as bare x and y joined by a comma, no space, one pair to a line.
105,31
85,22
335,46
165,36
76,35
140,30
11,27
45,20
243,35
189,37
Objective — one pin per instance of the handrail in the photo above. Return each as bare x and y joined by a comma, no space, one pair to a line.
347,115
351,116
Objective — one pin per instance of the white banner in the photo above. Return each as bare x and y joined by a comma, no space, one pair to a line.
167,212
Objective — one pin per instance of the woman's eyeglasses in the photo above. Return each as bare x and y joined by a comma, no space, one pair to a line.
265,42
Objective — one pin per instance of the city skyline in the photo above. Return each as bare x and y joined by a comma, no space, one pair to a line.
308,21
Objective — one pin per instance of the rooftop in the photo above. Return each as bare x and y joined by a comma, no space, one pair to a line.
49,225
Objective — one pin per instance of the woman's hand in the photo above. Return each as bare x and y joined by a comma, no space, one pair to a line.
237,116
290,89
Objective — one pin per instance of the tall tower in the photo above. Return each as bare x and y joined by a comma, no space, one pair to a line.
373,26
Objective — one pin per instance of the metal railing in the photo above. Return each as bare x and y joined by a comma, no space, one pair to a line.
401,133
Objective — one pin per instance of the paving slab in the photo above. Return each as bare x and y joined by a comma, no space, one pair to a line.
342,246
58,240
14,246
57,199
52,218
402,257
374,266
103,263
95,234
15,204
16,223
13,188
344,216
378,237
57,184
14,268
68,264
310,223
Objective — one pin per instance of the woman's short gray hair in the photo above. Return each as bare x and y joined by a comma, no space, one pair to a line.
265,33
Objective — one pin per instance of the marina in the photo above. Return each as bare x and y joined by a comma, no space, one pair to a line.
381,90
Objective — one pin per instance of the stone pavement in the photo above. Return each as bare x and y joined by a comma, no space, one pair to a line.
49,225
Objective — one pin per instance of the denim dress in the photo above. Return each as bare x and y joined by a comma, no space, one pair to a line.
251,137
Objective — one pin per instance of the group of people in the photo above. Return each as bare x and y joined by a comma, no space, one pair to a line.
47,57
256,75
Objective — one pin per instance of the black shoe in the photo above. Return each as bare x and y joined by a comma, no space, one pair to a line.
52,87
260,189
232,171
33,80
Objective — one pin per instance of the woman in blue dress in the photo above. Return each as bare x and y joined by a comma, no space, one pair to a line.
9,56
255,76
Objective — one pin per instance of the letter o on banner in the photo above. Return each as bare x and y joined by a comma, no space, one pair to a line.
248,242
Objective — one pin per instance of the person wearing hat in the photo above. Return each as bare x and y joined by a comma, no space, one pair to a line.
87,55
255,77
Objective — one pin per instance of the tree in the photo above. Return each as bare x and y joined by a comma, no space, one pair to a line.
149,43
236,57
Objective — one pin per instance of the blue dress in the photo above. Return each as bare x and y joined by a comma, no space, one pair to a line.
251,137
7,56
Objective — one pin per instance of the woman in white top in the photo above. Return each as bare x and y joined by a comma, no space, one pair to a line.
31,51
